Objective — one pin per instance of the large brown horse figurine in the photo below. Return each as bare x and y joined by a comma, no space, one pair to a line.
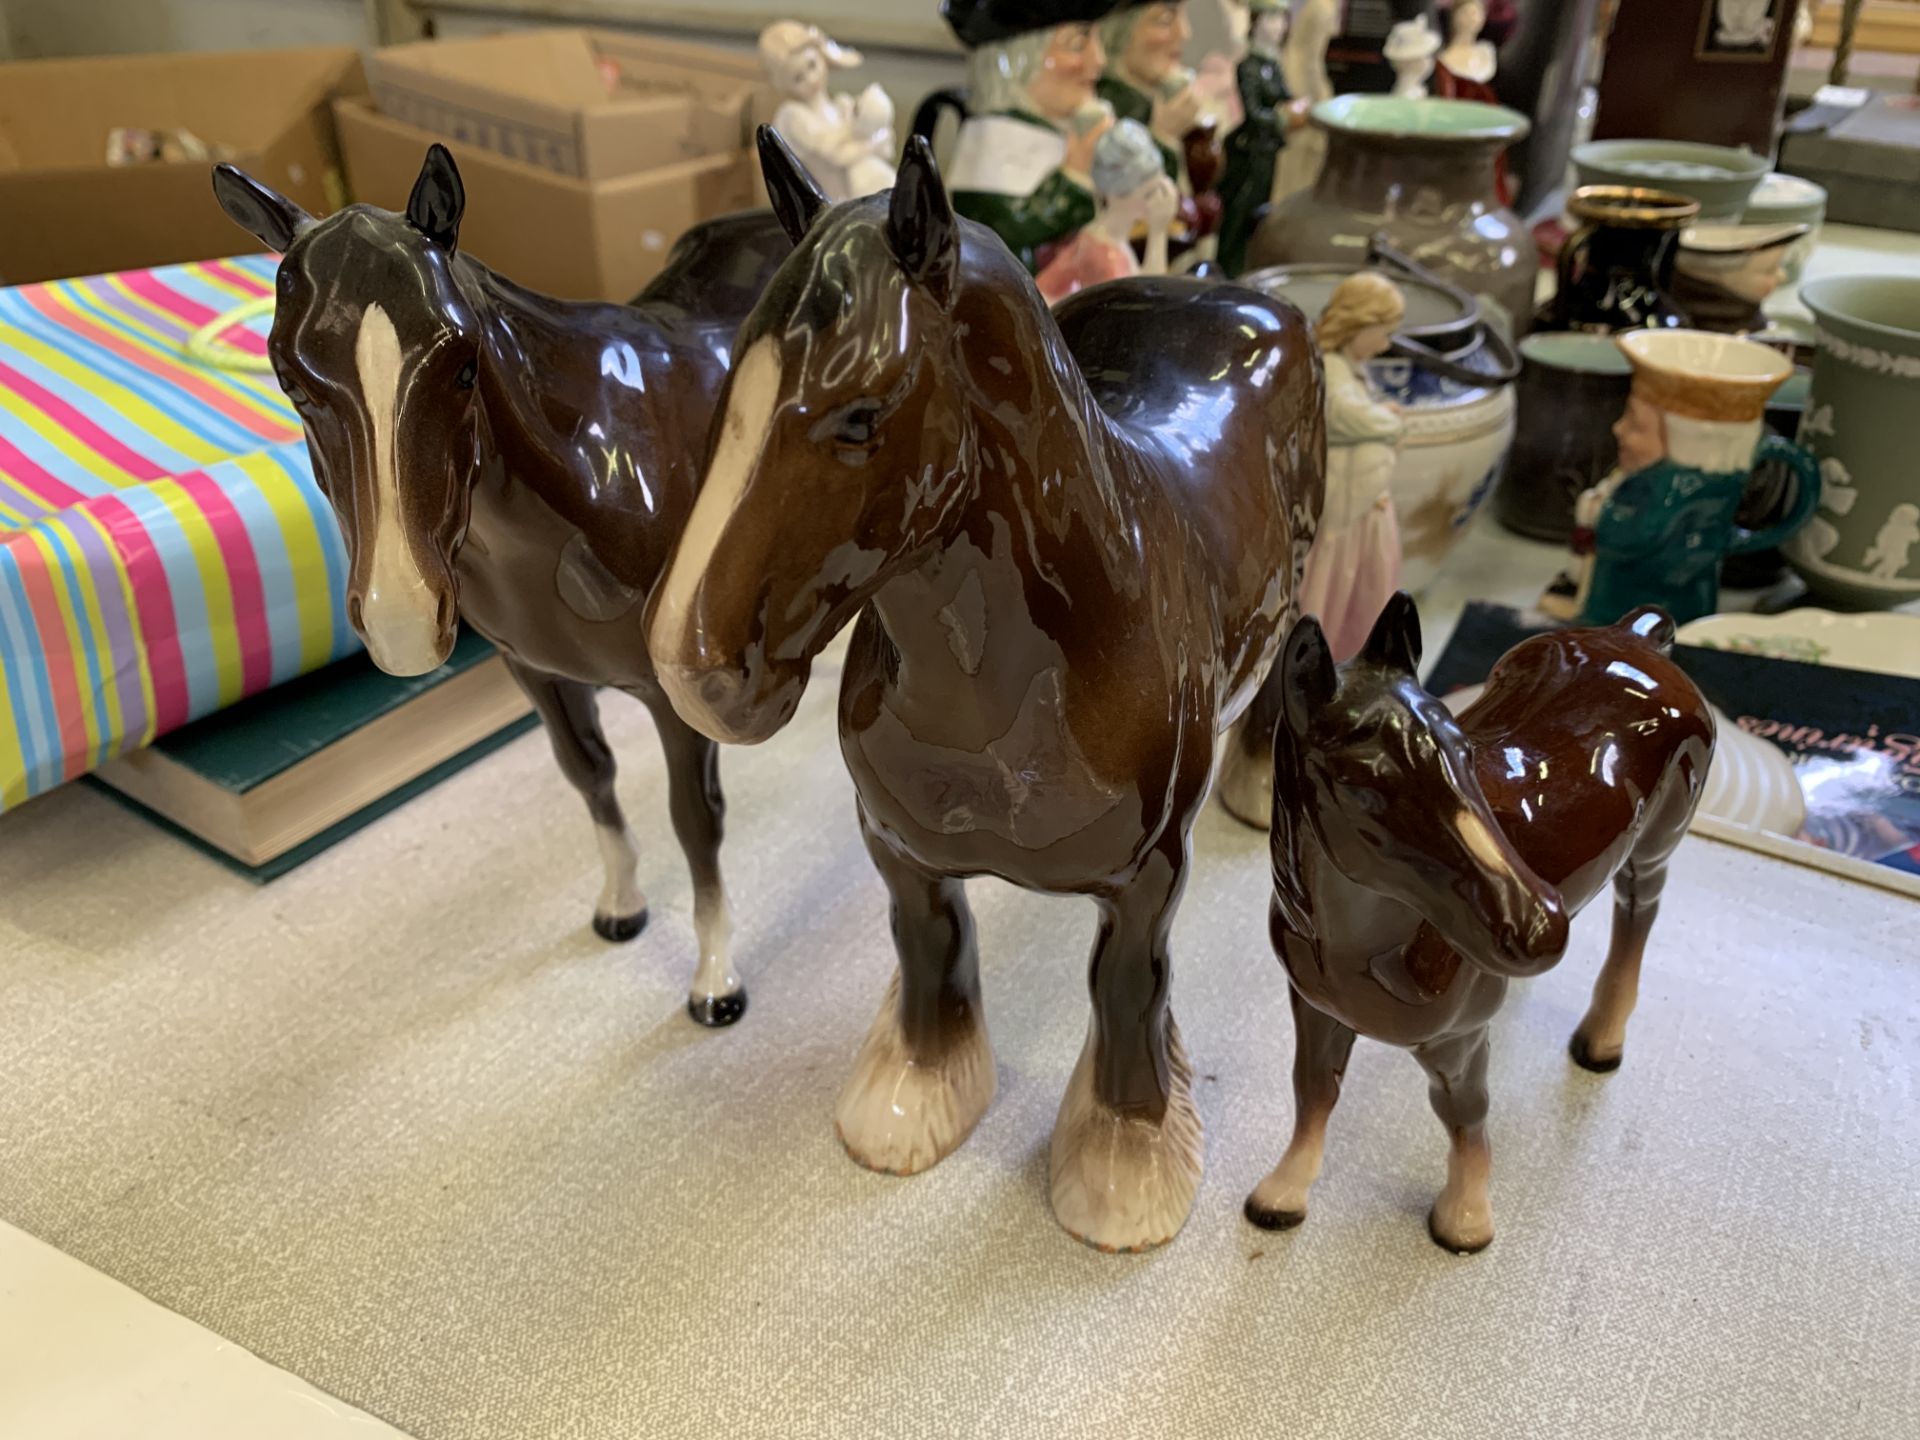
1071,541
522,462
1419,862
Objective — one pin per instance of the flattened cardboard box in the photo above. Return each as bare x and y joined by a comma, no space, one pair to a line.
65,211
571,238
540,97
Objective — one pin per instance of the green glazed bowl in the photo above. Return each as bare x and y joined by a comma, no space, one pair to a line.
1427,119
1720,178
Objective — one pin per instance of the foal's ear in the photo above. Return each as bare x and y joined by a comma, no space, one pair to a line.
796,197
921,226
439,199
1395,639
1307,678
262,211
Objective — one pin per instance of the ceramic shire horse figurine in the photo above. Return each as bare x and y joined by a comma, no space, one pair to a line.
524,462
1419,863
1071,539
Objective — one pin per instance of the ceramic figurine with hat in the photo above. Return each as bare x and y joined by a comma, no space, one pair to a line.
1132,192
846,141
1420,862
1022,163
1067,540
1723,273
1657,529
1268,112
1147,78
521,464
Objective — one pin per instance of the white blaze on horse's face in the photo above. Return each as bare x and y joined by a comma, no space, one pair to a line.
399,612
674,639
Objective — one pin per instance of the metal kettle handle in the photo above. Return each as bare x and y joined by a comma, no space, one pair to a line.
1485,334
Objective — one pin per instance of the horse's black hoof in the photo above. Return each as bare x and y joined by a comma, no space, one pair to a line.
1449,1246
618,928
1271,1219
1587,1060
718,1010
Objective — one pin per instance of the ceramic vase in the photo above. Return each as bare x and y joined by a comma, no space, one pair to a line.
1862,549
1421,174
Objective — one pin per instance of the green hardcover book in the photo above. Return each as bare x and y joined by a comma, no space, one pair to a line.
274,780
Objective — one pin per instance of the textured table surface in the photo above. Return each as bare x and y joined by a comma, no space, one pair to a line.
400,1124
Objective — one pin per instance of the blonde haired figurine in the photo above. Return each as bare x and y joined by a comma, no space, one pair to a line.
847,143
1354,566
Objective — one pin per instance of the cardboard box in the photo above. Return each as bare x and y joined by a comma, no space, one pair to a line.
578,239
540,97
65,211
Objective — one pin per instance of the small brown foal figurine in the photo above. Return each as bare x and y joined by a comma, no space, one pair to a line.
1420,862
522,462
1071,539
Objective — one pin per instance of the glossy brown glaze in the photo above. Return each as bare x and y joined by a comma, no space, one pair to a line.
523,463
1420,862
1071,540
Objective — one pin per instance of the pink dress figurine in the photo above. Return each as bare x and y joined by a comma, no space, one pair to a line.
1131,189
1354,566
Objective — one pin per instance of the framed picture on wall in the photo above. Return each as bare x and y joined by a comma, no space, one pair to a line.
1739,30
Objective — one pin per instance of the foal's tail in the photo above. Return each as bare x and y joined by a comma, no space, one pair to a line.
1651,624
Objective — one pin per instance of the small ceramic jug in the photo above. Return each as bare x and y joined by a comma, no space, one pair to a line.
1862,549
1616,270
1572,388
1658,528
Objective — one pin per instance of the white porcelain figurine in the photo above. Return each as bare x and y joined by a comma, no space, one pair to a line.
847,142
1411,47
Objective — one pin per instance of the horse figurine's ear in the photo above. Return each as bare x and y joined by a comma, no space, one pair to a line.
1395,639
262,211
797,199
438,199
920,223
1307,677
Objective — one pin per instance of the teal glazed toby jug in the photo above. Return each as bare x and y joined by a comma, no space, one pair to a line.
1659,527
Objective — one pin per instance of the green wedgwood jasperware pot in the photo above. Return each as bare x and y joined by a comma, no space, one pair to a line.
1862,548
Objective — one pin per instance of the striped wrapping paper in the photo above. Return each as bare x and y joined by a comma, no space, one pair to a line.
163,548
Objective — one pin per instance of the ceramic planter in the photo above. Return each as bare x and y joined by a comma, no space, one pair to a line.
1719,177
1454,381
1421,174
1862,549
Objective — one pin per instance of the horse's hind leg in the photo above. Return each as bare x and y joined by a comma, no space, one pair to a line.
924,1075
1602,1037
693,796
1321,1046
1462,1218
1126,1145
572,718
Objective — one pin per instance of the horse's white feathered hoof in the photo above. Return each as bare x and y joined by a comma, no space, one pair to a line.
1245,784
900,1114
1120,1183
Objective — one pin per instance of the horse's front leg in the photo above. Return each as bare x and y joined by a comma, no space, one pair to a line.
1321,1046
924,1075
699,810
1462,1218
572,718
1127,1144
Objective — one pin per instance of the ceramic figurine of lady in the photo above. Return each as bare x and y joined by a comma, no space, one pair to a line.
1464,70
1253,149
1410,50
1146,77
1303,62
1354,566
1022,164
846,142
1132,191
